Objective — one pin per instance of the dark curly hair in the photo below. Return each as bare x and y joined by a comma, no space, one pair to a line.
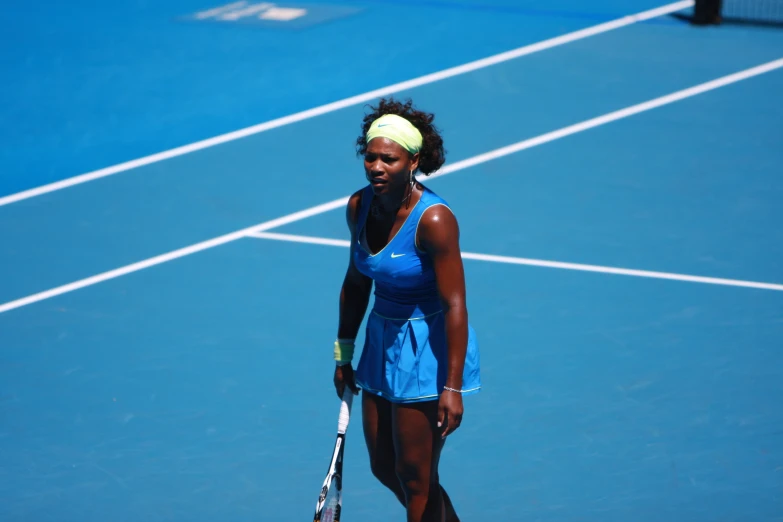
432,154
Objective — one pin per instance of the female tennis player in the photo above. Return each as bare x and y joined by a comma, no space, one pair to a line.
420,354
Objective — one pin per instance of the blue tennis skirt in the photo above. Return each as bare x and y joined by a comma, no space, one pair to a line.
405,360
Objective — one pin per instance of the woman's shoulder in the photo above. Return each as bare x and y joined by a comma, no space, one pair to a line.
354,204
437,221
433,204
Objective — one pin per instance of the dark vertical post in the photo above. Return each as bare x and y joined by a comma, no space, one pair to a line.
707,12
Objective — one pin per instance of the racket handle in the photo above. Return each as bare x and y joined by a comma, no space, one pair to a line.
345,411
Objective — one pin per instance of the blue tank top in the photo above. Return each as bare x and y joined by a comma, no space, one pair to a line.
405,286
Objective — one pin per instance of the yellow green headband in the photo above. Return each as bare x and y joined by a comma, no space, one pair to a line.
397,129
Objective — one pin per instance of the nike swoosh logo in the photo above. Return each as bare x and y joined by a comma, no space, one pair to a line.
398,255
383,125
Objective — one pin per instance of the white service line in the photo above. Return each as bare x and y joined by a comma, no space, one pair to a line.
301,239
610,117
325,207
348,102
546,264
175,254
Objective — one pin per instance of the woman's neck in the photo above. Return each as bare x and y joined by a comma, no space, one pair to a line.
390,204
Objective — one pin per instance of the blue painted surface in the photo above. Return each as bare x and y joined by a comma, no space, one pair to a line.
91,86
200,389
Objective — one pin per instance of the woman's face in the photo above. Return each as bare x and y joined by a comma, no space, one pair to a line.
388,166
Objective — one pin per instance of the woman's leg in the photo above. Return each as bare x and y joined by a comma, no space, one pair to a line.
377,424
451,514
418,444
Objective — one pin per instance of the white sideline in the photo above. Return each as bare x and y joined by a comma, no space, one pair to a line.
337,203
546,264
347,102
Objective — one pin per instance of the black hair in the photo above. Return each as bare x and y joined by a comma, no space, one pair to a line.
432,154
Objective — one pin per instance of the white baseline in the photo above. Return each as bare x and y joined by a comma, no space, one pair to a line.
455,167
348,102
546,264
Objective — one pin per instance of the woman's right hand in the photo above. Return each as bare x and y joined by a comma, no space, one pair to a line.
343,376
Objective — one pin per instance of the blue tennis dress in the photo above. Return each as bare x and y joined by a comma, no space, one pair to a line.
405,354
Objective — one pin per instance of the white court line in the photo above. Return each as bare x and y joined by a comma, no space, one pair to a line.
545,264
610,117
301,239
347,102
337,203
176,254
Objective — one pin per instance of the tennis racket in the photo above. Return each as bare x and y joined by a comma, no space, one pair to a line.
331,498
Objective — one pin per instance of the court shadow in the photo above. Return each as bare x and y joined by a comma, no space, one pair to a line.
728,20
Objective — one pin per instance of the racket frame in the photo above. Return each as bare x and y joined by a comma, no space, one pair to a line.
334,475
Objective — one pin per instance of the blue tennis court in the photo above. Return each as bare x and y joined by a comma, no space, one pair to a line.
171,263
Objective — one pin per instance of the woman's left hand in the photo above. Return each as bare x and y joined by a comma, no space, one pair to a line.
449,412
